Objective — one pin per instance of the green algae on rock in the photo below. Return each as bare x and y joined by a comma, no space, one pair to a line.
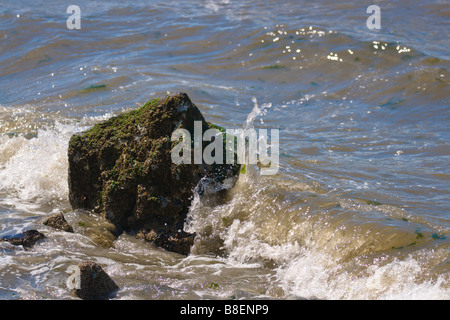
57,221
122,169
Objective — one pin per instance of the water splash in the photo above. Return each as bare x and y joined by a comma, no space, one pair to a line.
318,246
36,169
33,167
256,111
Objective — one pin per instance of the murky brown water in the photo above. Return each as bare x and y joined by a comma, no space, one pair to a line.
360,206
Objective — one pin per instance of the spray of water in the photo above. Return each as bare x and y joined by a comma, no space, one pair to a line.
317,246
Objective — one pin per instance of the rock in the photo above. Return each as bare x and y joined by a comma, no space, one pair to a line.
122,169
99,230
95,283
27,238
58,222
179,242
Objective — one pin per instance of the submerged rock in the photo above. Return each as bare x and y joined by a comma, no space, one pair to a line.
27,238
57,221
176,241
99,230
94,283
122,169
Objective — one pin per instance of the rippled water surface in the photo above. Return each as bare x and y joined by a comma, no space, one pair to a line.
359,208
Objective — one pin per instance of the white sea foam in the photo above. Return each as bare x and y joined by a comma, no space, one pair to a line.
33,171
313,274
36,169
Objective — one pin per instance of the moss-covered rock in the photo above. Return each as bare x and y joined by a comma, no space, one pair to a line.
58,222
122,169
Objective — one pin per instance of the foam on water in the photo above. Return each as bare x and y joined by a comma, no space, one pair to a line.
331,248
313,274
310,257
33,170
36,169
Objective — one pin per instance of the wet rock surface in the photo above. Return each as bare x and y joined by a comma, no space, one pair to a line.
122,169
58,222
94,282
179,242
27,239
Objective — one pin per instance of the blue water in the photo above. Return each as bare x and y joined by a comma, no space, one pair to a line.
360,206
